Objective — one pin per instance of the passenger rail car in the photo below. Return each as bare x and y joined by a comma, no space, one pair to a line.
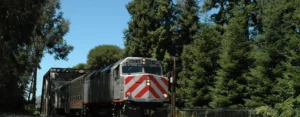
133,86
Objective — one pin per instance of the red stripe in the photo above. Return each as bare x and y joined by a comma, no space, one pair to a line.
128,79
157,84
105,101
142,92
136,84
118,101
76,102
154,93
164,80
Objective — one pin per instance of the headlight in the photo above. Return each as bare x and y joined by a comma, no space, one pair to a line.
128,94
166,95
148,82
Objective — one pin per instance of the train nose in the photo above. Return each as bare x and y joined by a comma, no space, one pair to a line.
149,87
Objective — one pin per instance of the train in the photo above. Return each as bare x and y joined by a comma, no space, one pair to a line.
130,87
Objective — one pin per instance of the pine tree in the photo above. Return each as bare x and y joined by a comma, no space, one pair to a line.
224,14
186,29
199,67
230,85
187,24
274,80
149,32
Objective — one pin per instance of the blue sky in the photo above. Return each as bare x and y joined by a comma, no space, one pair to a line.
93,22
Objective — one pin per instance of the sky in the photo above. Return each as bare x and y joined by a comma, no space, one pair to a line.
93,23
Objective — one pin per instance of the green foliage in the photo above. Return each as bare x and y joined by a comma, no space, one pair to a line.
266,111
103,55
274,80
199,67
80,66
149,30
187,24
224,14
29,29
230,84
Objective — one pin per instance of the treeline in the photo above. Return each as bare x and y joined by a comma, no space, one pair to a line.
28,30
245,55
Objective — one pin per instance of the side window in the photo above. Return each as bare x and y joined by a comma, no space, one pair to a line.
116,73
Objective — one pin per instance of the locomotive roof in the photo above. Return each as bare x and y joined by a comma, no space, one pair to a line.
122,60
117,63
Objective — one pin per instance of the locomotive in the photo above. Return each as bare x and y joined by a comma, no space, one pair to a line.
133,86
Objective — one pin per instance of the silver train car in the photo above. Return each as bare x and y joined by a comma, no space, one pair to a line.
134,86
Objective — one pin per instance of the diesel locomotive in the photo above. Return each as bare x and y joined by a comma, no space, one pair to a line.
133,86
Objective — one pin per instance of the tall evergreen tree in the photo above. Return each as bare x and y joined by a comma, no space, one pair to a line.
199,67
150,30
274,80
230,84
187,24
223,7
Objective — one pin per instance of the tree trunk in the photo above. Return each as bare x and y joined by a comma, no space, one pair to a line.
34,85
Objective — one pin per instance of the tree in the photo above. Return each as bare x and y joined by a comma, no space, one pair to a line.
149,33
103,55
48,37
223,15
187,24
26,26
274,79
230,85
80,66
199,65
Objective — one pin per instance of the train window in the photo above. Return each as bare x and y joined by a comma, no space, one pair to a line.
132,69
152,70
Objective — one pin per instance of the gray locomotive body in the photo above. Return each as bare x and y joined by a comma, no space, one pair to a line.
131,85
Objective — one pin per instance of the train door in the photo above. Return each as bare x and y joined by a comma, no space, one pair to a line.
117,83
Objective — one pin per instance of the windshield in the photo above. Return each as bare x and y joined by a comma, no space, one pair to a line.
141,69
132,69
152,70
